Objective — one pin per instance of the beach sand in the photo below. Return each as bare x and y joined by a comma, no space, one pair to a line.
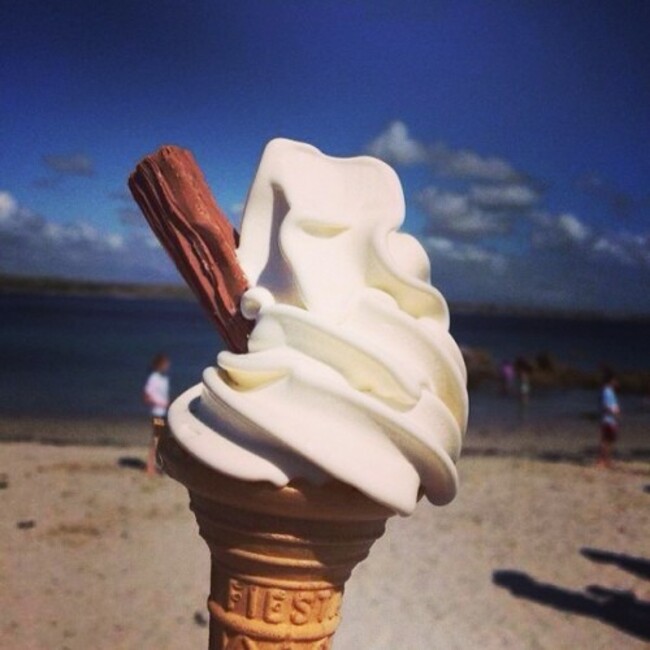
94,554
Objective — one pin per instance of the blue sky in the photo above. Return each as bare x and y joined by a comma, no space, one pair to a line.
519,129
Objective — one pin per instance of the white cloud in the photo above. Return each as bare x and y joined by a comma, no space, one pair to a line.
395,146
606,247
564,263
463,163
490,240
509,196
34,245
150,241
446,205
575,229
624,248
459,214
486,208
568,232
559,231
542,278
8,206
447,249
115,241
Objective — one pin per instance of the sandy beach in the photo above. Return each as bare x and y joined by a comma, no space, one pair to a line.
540,550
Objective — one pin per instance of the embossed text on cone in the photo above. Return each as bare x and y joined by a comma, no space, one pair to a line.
280,556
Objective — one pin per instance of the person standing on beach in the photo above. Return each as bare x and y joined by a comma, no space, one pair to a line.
156,396
610,411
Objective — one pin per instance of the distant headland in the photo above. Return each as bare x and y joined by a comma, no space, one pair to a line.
170,291
77,287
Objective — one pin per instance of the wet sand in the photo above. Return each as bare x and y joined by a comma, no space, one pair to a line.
536,552
556,426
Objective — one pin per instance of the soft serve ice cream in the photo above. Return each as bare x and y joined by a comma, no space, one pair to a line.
351,372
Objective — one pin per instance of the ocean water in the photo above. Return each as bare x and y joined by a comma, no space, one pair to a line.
582,343
88,356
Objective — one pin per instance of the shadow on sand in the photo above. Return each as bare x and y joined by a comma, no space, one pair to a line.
131,462
620,609
638,566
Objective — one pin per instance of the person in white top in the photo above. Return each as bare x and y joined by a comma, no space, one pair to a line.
156,396
609,422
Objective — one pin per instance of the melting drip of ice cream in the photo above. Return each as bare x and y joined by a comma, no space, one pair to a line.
350,372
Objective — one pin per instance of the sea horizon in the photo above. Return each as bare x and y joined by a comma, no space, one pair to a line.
67,286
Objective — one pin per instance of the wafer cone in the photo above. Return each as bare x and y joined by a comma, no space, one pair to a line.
280,556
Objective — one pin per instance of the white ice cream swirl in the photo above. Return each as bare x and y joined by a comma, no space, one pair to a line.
351,372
